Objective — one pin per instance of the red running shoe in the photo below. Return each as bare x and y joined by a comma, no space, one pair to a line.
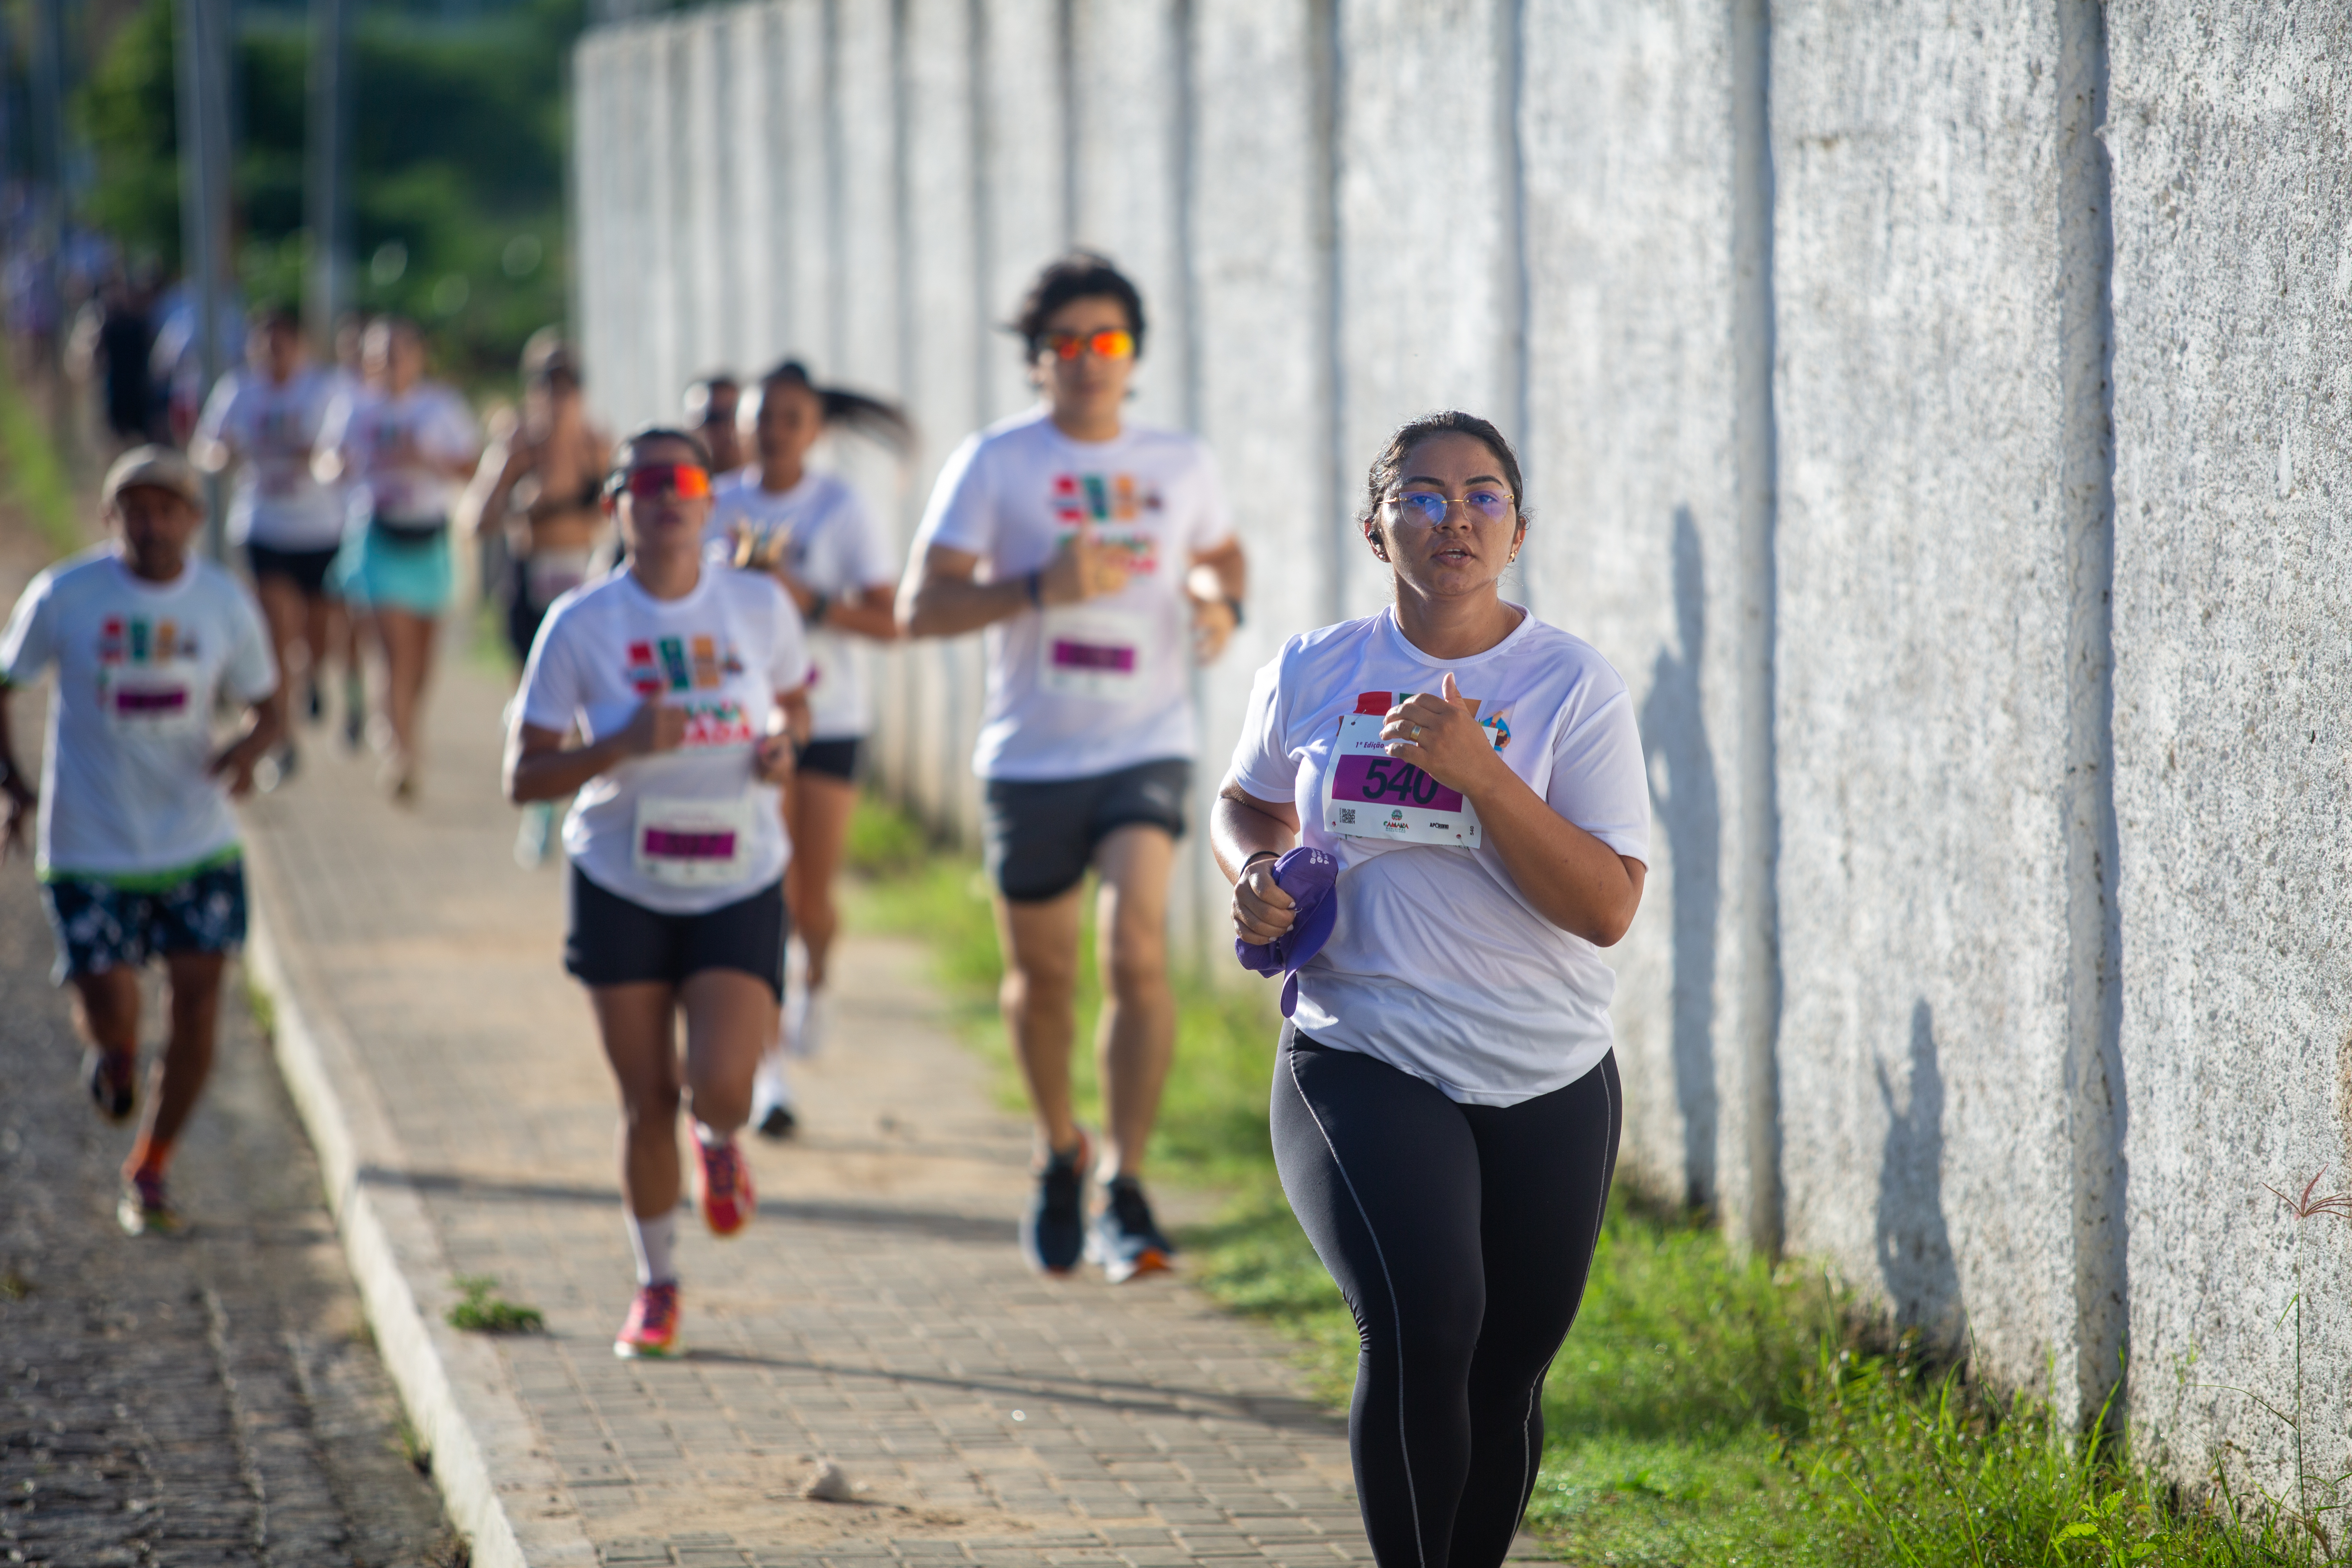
723,1187
652,1329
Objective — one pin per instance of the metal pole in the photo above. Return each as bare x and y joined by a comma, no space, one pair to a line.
325,198
202,63
49,171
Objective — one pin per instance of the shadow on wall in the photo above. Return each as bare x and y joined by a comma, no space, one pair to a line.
1914,1246
1674,736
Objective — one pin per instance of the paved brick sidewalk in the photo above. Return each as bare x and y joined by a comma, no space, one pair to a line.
878,1312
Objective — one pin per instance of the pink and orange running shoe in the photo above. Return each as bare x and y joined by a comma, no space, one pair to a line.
723,1187
652,1329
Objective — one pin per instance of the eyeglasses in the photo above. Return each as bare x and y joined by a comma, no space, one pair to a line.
651,480
1102,345
1429,509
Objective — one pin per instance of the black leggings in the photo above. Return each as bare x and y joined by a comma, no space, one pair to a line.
1461,1235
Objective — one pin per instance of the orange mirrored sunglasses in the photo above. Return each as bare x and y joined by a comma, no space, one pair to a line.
687,481
1102,345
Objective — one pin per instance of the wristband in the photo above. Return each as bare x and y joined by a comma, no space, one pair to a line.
1036,584
1235,606
818,605
1261,855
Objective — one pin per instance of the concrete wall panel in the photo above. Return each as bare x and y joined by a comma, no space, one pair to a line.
1024,178
1631,327
1259,274
1424,210
2231,129
1128,177
1922,663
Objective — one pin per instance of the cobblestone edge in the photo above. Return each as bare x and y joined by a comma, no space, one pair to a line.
459,1394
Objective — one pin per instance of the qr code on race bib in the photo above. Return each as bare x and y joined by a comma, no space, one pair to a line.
1347,815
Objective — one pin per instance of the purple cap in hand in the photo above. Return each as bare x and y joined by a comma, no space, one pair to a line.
1308,877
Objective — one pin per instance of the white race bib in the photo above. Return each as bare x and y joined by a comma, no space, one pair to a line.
160,700
1367,793
692,843
1103,654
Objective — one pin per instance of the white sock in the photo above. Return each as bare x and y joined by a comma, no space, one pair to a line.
655,1241
710,1137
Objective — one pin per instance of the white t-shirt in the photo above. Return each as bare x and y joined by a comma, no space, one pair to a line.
370,427
686,831
1437,965
1077,690
833,547
123,791
272,429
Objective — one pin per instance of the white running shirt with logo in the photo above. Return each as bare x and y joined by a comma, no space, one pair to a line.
123,790
273,430
691,830
832,545
1437,965
372,428
1083,690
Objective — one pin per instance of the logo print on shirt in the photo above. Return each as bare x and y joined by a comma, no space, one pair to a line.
701,662
1113,500
719,723
134,639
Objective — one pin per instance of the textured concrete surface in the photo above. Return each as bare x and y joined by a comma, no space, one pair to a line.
1428,302
878,1313
1924,543
2232,131
210,1396
1644,542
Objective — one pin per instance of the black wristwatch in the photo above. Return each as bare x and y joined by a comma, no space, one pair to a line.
818,605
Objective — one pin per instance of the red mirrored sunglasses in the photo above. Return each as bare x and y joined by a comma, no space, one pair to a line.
687,481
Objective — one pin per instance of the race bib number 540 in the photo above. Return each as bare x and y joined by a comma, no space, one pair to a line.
1368,794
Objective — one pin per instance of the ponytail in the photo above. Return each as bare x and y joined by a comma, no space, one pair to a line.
872,417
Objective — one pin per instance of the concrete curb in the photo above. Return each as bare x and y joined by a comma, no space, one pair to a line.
458,1390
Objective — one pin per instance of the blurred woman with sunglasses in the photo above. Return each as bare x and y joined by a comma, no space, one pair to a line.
809,529
1445,1104
686,686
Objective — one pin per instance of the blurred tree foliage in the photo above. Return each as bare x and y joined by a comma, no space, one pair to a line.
458,149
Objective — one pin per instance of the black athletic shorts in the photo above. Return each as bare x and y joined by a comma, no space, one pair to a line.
833,758
1041,833
613,940
308,568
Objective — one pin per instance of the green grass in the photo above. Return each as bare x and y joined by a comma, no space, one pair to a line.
485,1312
1704,1410
35,476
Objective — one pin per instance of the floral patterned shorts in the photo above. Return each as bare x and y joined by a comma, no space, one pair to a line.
99,926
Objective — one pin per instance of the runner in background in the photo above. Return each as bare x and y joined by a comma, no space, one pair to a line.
541,479
138,855
1465,784
408,445
711,401
1101,558
809,531
684,682
348,622
265,419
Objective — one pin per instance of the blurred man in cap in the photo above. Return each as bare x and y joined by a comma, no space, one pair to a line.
138,853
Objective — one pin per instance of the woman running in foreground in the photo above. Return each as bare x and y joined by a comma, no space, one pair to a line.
686,683
1445,1103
